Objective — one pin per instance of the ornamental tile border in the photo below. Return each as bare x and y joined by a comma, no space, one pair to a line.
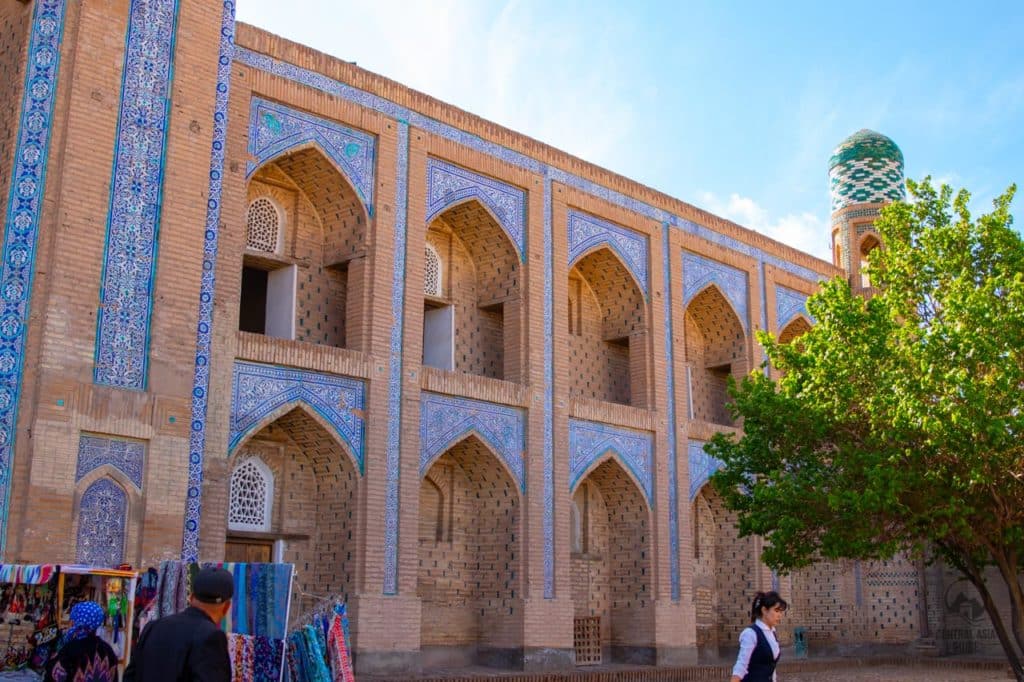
407,117
275,129
673,484
702,465
102,516
24,210
259,390
587,232
789,304
136,193
127,456
700,272
204,325
588,441
448,185
392,453
446,420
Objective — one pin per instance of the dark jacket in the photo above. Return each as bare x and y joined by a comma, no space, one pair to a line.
88,658
180,648
762,660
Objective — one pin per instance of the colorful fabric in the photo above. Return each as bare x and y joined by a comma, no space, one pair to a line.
241,653
87,614
30,574
88,659
341,663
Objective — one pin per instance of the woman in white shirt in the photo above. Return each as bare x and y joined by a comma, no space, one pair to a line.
759,648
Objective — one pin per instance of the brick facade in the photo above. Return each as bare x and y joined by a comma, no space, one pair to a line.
463,561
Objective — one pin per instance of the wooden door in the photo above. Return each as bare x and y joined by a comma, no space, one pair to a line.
248,551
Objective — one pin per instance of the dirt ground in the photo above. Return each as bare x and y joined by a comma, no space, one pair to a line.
896,674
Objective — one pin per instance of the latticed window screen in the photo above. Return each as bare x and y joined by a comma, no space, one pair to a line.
432,272
252,492
587,640
264,226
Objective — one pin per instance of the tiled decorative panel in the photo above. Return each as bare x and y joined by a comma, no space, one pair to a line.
102,514
201,373
589,441
587,232
700,272
789,304
448,185
136,191
866,167
258,391
445,420
549,399
702,465
127,456
394,442
670,398
24,208
275,129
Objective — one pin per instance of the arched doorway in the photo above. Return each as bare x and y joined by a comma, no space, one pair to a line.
469,576
611,562
607,330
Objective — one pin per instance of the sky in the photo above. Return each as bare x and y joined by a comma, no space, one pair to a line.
734,107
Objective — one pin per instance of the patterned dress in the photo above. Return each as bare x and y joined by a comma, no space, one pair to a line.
88,659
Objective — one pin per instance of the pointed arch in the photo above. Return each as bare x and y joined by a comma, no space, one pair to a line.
699,272
476,203
796,327
593,441
250,495
586,232
714,289
620,462
619,259
512,468
102,516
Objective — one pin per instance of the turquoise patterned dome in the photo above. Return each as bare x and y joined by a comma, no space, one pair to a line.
866,168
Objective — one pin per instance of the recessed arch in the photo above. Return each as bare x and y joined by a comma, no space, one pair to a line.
795,328
615,253
612,454
240,440
728,301
717,348
480,201
486,443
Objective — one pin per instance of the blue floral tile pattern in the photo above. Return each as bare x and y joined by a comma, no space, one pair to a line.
670,375
201,374
448,184
24,208
700,272
587,232
789,304
588,441
259,390
127,456
445,420
702,465
392,454
133,222
549,399
275,129
102,513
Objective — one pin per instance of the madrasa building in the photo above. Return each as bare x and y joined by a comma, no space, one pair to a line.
259,304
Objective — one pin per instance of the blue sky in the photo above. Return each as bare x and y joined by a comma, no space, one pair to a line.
734,107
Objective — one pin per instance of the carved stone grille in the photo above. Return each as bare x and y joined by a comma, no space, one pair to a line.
252,489
587,640
264,226
431,272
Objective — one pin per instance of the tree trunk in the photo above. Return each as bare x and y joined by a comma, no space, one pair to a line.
977,579
1010,573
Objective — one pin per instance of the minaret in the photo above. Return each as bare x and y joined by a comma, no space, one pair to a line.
865,172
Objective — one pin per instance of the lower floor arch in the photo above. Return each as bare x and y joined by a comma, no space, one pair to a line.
469,577
292,494
610,566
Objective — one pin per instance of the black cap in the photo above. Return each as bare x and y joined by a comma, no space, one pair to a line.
213,586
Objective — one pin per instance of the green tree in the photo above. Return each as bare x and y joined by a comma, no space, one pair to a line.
897,421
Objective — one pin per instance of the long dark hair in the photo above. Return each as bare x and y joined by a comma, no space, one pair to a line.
765,600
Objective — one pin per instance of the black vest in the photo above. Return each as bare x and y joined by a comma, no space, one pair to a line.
762,660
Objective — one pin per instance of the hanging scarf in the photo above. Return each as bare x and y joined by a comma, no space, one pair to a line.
341,664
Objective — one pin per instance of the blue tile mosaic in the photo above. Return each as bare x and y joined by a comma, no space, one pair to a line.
702,465
21,231
587,232
589,441
446,420
393,449
204,326
670,376
549,399
789,304
275,129
102,515
127,456
700,272
258,391
136,191
448,185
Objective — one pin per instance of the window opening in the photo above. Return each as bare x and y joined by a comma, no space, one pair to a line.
251,498
264,226
432,281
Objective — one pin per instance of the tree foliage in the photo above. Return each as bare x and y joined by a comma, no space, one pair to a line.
897,422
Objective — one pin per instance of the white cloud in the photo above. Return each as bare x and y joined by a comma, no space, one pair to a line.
805,231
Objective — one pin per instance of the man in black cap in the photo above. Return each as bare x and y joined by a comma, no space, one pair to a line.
189,645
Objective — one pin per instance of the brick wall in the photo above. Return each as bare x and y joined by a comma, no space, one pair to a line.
715,349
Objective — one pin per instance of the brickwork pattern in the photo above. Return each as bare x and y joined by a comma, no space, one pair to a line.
715,348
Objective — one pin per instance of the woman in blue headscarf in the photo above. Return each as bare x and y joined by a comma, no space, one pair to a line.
83,656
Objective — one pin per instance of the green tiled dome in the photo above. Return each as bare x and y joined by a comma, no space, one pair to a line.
866,167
